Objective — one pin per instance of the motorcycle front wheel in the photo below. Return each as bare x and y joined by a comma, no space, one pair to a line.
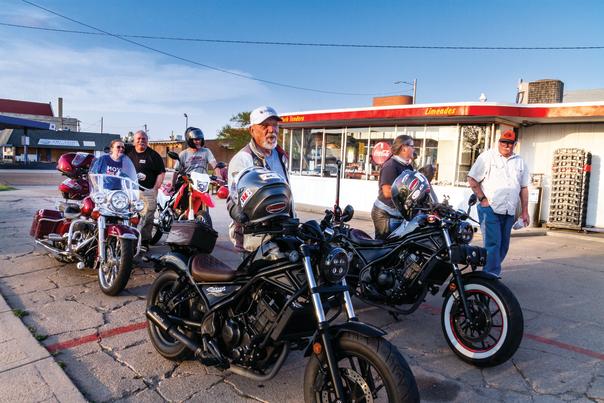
167,346
372,370
114,273
156,234
495,330
205,218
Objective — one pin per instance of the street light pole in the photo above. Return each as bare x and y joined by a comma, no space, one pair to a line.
186,121
414,84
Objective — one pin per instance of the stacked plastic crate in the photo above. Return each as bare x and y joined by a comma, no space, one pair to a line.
570,185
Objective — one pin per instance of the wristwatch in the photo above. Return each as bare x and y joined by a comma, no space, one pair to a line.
482,198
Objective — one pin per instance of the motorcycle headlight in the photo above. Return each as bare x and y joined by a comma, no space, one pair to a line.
138,205
335,265
98,198
119,201
464,232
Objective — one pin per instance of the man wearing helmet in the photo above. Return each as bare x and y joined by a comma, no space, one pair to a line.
384,210
196,157
261,151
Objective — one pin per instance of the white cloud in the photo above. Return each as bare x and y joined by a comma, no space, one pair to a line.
126,87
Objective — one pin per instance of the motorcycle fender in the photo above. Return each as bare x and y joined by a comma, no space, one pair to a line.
207,199
121,231
360,328
177,261
474,274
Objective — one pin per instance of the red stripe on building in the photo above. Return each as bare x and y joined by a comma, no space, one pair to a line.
440,111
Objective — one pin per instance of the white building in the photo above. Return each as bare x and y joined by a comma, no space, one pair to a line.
448,136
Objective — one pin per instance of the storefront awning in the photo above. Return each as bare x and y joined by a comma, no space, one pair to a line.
11,122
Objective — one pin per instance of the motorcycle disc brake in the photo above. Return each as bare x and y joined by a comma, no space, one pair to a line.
352,378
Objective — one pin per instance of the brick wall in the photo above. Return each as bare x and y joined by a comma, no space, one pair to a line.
545,92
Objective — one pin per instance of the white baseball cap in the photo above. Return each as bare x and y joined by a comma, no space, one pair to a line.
262,113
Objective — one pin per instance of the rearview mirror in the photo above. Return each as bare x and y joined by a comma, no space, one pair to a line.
347,213
472,200
173,155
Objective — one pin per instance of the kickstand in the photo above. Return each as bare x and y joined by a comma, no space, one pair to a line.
395,316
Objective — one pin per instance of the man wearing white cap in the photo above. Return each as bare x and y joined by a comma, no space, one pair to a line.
261,151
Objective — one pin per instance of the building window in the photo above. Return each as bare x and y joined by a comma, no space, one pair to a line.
355,152
333,151
378,135
296,151
471,145
312,151
286,141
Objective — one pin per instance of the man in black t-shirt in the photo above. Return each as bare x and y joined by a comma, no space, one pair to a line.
383,209
151,171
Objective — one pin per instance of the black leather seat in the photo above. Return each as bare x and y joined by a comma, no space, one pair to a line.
363,239
208,268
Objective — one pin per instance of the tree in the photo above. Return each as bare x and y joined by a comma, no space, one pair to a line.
237,135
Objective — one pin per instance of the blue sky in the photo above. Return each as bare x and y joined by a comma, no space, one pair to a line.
130,86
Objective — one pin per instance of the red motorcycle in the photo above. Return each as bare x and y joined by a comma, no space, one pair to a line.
71,232
194,191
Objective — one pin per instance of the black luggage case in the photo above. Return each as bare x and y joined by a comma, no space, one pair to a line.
192,234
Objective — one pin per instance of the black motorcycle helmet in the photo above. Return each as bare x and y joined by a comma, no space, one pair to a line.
193,133
410,190
260,195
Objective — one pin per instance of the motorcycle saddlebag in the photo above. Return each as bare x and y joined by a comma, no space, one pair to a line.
192,234
44,223
468,254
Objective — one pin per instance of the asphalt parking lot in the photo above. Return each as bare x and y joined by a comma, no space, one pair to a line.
102,345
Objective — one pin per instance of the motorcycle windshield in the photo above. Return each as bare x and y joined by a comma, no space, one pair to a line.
114,193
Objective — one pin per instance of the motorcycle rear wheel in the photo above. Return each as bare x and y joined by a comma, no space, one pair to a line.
372,369
496,332
114,273
165,345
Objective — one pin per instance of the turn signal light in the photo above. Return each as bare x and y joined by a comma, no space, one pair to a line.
134,220
95,214
316,348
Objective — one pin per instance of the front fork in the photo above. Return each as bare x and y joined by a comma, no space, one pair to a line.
457,277
323,324
101,228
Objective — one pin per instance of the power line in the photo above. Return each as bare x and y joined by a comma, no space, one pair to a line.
307,44
207,66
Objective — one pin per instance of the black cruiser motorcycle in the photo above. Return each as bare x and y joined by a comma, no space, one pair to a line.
481,318
285,295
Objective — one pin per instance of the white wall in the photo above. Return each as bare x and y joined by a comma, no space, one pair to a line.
359,193
537,146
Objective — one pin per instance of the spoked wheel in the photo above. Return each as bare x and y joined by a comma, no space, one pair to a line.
114,273
493,332
371,369
163,287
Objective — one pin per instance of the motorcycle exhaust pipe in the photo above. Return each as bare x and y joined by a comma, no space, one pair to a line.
161,320
246,373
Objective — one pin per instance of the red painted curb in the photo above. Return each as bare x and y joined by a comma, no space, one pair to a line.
52,348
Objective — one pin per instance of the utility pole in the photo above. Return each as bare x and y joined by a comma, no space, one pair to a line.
414,84
145,127
101,124
414,90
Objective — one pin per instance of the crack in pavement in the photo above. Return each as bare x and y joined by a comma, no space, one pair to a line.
242,393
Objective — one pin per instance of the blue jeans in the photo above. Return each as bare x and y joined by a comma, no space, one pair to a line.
496,230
